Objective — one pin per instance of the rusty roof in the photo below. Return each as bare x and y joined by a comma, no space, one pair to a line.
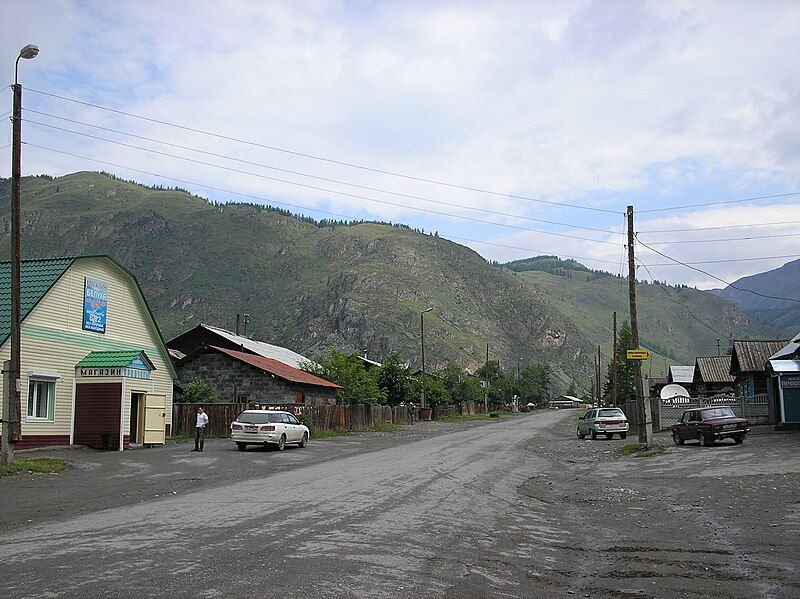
279,369
751,355
713,369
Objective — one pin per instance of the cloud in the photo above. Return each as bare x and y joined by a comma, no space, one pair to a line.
599,103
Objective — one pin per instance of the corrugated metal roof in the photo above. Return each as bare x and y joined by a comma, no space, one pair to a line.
278,368
261,348
36,279
681,374
752,355
713,369
788,352
112,359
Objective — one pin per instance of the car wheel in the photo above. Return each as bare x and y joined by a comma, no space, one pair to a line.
241,446
703,441
580,434
623,435
282,443
676,438
594,436
304,442
609,435
738,439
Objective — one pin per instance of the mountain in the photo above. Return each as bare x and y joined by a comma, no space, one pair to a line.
358,286
784,315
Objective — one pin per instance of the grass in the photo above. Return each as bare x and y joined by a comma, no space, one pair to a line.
181,438
640,451
383,427
42,465
474,418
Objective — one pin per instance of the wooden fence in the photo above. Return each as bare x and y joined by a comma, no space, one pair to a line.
324,417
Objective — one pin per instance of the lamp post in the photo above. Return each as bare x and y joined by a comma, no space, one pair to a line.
422,341
11,393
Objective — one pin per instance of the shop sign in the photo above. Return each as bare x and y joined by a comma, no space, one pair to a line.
95,305
638,354
131,373
790,381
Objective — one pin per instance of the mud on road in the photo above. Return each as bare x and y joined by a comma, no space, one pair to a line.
520,508
722,521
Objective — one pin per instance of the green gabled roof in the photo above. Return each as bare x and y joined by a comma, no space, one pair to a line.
36,279
112,359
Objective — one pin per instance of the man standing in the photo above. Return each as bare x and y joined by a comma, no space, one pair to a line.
200,429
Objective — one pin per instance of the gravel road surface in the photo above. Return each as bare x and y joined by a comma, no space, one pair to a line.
518,508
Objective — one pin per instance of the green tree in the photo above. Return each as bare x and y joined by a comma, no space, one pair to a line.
572,389
436,394
358,386
626,380
198,392
461,386
394,380
534,384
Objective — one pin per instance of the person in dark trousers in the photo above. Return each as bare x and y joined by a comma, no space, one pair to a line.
200,429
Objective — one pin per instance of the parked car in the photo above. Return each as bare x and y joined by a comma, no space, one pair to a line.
268,427
606,421
708,425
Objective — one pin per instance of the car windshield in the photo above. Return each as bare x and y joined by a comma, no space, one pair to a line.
258,417
616,412
718,413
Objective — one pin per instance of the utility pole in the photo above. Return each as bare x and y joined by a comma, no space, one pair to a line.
614,364
237,324
718,351
642,403
246,320
422,342
486,381
599,380
11,397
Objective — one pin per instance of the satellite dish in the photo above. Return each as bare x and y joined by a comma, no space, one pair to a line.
673,390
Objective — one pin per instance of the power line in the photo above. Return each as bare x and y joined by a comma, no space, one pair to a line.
325,190
524,249
773,224
673,300
729,260
720,203
787,299
321,158
260,198
288,171
682,241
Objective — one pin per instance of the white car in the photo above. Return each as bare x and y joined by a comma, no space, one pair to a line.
268,427
605,421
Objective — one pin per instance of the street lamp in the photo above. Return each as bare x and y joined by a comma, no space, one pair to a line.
11,393
422,340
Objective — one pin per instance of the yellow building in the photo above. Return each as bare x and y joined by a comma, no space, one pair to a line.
95,370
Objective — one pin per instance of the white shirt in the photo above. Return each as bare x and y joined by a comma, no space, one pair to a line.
202,419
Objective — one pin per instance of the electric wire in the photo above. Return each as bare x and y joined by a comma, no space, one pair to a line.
722,202
751,237
772,224
673,300
341,193
729,284
525,249
321,158
288,171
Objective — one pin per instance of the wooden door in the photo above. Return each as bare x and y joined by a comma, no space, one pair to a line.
155,419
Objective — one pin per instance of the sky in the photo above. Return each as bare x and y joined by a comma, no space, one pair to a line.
516,128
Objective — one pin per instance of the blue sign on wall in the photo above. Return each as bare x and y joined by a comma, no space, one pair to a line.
95,305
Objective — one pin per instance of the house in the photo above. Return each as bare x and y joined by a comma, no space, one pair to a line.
368,364
748,364
246,377
94,367
568,402
783,368
680,375
712,376
204,335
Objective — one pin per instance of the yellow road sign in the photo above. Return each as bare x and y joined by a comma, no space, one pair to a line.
638,354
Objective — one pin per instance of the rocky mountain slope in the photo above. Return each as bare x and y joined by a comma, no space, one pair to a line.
312,286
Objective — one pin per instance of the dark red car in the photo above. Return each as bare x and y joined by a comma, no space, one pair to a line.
708,425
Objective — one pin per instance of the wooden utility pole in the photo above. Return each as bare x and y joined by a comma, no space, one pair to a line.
642,403
486,381
614,364
599,378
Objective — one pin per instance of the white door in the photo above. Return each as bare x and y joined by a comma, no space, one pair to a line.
155,419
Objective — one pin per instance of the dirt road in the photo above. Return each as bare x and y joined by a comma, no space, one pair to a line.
512,509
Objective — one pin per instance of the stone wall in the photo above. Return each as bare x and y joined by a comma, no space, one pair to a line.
236,381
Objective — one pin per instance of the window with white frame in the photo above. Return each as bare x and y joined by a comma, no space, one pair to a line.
41,399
